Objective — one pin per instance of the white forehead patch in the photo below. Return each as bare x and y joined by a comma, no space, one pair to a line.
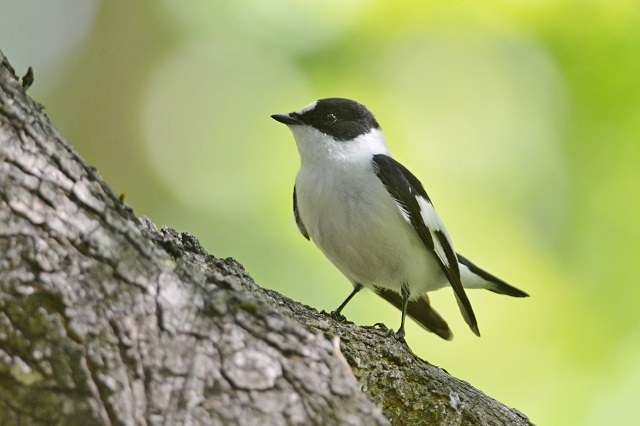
307,108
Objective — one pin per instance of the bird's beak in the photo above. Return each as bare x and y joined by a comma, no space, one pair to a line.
286,119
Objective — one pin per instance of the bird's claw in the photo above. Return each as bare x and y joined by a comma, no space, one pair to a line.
336,316
399,336
381,326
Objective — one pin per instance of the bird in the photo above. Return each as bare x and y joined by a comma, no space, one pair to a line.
372,218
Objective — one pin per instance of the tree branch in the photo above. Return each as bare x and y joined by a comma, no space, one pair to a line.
106,320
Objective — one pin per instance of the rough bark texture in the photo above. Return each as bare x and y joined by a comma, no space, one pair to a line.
106,320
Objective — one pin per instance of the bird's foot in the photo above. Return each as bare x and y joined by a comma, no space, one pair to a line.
379,326
336,316
400,336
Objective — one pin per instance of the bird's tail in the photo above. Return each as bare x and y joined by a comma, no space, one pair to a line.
419,310
475,277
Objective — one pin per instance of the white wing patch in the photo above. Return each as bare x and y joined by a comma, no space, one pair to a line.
437,247
429,215
433,223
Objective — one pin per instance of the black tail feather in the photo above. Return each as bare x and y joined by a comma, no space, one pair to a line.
498,286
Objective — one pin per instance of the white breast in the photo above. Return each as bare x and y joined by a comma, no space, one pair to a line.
350,216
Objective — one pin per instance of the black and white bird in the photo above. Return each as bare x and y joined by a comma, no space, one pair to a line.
372,218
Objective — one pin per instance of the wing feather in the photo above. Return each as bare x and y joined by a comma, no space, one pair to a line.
414,203
296,214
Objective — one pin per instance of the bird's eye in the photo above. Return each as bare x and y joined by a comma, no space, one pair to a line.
329,119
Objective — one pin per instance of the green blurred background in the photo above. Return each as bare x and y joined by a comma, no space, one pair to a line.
522,119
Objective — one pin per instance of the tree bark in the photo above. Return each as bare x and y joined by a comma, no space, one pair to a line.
104,319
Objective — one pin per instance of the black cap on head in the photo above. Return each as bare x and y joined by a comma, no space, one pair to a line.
341,118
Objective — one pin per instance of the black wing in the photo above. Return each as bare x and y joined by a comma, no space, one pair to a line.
301,226
415,206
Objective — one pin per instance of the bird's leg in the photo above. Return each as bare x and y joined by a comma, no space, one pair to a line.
405,302
336,313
